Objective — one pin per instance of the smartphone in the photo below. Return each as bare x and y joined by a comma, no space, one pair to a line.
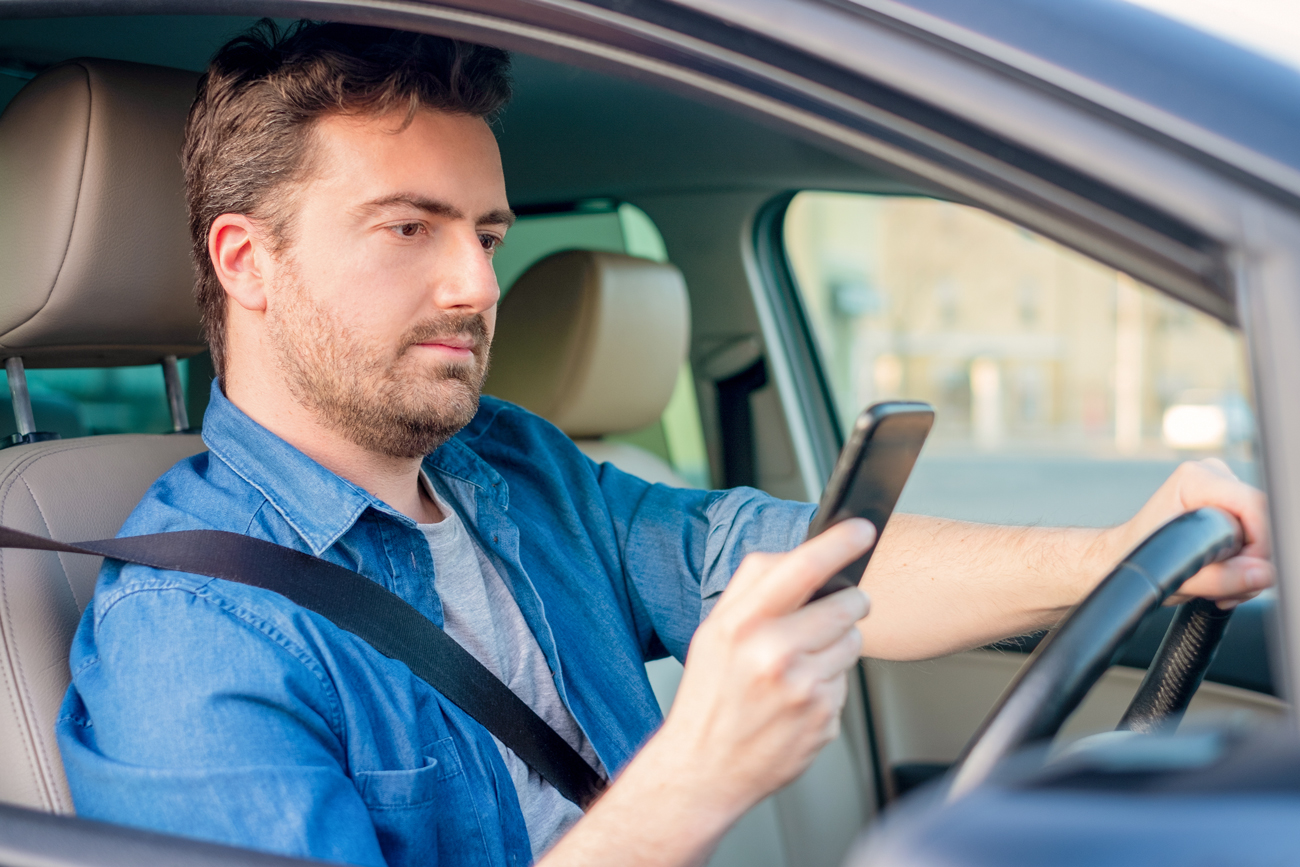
869,475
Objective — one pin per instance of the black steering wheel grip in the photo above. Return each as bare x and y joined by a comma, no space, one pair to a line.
1178,668
1079,650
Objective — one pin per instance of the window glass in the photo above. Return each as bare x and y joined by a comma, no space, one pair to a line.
1064,391
76,402
678,437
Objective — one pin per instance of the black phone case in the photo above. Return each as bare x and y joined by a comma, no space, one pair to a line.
870,474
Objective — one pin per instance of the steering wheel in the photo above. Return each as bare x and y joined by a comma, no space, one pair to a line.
1078,651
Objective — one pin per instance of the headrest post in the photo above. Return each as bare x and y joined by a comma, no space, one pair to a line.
18,394
175,394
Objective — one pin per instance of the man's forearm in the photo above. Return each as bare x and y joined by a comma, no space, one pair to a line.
654,815
939,586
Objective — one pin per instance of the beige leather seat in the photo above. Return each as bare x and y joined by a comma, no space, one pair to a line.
96,273
593,342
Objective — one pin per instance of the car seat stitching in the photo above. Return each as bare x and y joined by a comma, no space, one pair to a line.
45,764
67,579
16,699
16,682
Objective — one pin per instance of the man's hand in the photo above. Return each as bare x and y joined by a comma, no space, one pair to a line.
761,695
1210,483
765,678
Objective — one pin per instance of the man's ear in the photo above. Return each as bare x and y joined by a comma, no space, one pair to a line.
240,260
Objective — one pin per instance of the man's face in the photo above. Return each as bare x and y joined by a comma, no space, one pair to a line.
383,301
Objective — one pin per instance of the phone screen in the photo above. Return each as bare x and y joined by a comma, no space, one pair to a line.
870,474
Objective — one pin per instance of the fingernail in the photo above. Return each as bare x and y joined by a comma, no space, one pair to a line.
863,529
855,600
1257,578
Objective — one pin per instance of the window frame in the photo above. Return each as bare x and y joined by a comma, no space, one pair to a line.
812,390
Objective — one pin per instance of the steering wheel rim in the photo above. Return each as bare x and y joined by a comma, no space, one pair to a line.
1075,655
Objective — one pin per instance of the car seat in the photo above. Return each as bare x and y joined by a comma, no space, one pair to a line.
97,274
593,342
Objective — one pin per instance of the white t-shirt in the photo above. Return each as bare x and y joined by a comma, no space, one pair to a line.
484,618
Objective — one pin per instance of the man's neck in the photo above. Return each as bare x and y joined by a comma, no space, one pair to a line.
395,481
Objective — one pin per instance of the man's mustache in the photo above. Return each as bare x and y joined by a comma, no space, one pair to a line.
469,326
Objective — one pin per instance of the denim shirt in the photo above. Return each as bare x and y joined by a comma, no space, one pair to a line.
215,710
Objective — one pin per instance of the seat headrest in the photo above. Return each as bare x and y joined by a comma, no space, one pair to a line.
592,342
93,230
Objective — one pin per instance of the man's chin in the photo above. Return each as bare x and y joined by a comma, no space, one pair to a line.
415,431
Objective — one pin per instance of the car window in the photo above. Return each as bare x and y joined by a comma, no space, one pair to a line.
76,402
678,437
1064,390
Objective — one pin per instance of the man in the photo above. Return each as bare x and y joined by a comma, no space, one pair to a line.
346,197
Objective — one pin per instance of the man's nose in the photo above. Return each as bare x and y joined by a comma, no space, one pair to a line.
464,278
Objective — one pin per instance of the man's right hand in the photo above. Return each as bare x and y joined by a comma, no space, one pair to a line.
765,678
762,693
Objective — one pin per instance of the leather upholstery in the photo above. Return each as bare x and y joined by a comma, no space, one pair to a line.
70,490
591,341
93,228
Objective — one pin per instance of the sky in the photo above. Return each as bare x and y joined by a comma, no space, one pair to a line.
1270,27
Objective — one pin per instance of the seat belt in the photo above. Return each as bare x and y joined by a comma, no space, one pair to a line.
376,615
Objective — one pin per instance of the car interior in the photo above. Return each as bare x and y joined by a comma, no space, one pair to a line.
636,316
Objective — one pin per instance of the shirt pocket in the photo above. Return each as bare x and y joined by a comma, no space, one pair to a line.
404,789
425,815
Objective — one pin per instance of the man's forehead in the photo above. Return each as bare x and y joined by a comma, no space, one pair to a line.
450,160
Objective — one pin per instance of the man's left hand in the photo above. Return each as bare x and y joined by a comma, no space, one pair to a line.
1210,483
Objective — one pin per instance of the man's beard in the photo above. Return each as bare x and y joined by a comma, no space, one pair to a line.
383,400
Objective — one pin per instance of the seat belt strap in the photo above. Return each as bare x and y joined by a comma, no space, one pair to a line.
369,611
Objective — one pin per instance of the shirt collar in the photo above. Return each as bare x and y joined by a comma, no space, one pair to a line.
319,504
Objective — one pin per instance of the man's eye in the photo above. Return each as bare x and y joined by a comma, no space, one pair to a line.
490,242
409,230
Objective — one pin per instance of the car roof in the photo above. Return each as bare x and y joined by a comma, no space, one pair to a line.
569,133
1132,60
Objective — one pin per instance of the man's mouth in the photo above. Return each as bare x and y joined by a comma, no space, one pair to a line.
459,346
461,341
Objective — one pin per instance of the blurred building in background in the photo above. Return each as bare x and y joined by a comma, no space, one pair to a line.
1018,342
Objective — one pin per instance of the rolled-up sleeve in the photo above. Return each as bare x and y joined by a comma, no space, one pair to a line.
680,546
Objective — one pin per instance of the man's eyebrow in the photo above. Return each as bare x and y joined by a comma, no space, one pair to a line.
505,217
420,203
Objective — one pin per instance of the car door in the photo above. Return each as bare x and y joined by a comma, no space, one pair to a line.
1065,393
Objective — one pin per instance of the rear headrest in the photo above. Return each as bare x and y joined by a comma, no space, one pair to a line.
93,229
592,341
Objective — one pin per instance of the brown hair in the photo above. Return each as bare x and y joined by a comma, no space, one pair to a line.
248,133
